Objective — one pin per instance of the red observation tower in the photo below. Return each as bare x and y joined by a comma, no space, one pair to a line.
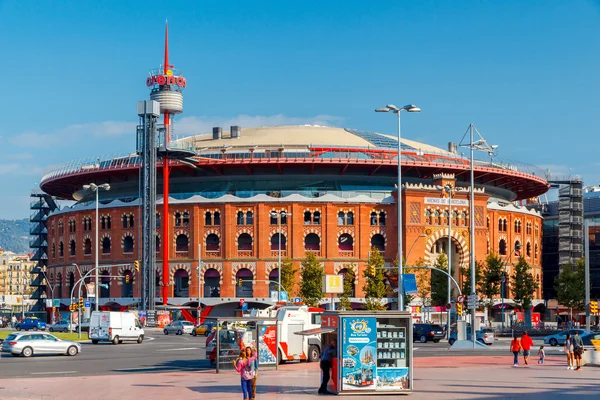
166,86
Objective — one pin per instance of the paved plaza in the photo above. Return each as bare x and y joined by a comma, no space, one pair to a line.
477,377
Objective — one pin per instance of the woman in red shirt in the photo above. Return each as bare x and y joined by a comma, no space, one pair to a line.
515,348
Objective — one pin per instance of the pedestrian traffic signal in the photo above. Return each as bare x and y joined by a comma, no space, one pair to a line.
593,307
81,302
459,309
240,281
371,270
136,265
127,278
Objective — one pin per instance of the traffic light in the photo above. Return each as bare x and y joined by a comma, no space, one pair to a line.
240,281
418,309
371,270
136,265
127,278
593,307
81,302
459,309
71,307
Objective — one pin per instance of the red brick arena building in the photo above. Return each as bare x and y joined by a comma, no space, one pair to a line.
336,184
334,189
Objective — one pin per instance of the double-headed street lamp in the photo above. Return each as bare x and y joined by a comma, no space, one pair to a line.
448,190
279,215
96,188
396,110
516,249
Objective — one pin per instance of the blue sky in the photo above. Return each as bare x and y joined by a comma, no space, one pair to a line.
524,72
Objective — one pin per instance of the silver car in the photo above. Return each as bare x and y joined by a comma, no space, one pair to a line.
558,339
27,344
62,326
178,327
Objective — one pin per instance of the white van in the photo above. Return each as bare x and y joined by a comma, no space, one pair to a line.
115,327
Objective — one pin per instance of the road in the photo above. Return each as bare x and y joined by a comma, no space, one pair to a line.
160,353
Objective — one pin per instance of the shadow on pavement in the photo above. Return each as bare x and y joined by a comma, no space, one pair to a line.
170,366
260,389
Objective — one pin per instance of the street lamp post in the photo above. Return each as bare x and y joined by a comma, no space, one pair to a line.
448,190
396,110
96,188
199,278
480,144
25,282
279,215
517,248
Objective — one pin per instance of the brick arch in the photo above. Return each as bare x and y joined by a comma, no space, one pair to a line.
212,231
244,230
344,231
273,230
124,235
124,268
378,232
207,266
315,229
308,232
105,235
337,267
235,267
457,239
269,267
181,232
70,269
174,268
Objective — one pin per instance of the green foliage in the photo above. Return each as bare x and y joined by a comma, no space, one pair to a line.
311,281
374,287
523,284
439,282
570,285
14,235
490,285
288,277
466,275
348,286
423,286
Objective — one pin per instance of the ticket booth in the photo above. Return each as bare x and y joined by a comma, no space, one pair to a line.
374,351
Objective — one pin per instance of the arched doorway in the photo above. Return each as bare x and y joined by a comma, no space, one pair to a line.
105,280
275,242
345,242
246,288
127,284
273,281
378,242
182,282
212,284
441,247
312,242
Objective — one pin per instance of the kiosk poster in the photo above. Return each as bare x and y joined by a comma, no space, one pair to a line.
267,345
359,353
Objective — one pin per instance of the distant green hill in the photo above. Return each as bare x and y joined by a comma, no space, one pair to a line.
14,235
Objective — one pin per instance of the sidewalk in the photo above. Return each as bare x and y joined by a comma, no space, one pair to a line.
480,377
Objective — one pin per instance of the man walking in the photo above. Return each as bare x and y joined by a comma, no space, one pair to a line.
13,321
326,358
526,344
577,349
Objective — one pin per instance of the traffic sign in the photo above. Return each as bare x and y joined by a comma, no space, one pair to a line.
242,301
245,306
448,306
460,298
297,300
87,304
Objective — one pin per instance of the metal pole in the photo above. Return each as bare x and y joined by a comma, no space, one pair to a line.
472,244
79,310
586,249
279,263
449,257
199,267
96,275
400,269
502,289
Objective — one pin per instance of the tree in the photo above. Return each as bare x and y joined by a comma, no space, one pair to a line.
423,282
374,287
570,285
523,286
348,286
439,282
288,277
466,278
492,280
311,280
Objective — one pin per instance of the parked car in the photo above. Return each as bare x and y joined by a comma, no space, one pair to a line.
31,323
203,329
29,344
62,326
178,327
484,335
85,326
588,337
559,338
427,332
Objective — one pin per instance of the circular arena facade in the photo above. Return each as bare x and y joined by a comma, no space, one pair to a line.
334,189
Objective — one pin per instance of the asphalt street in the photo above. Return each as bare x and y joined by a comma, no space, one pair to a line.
160,353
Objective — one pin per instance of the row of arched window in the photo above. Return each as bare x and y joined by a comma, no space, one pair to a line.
503,249
437,217
517,226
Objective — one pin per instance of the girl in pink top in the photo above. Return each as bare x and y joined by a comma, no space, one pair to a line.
244,366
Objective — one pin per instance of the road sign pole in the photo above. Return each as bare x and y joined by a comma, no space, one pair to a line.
586,241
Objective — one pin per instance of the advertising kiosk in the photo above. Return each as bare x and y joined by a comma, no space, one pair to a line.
374,351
